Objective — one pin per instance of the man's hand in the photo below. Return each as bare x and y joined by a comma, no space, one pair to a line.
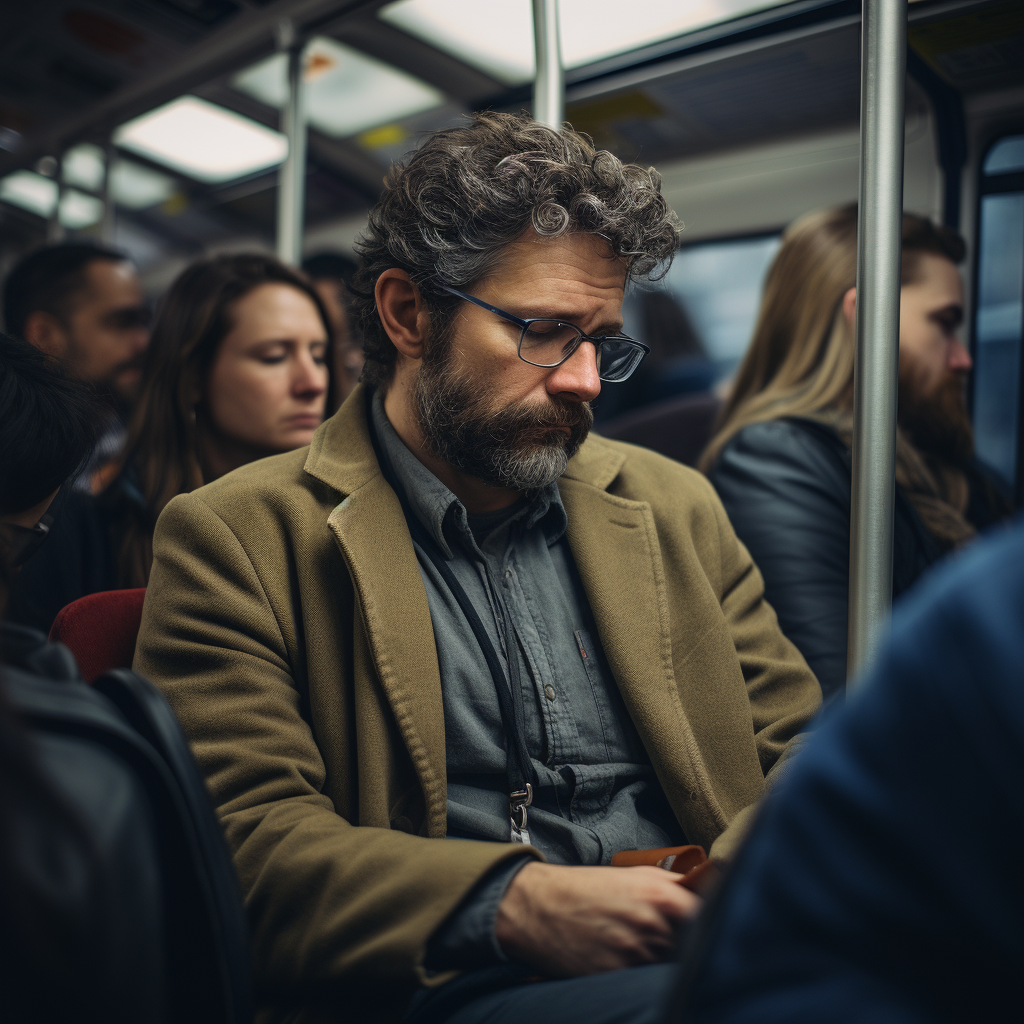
568,921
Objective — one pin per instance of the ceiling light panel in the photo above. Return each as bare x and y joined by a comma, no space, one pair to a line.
84,166
38,195
497,38
346,92
204,141
138,187
30,191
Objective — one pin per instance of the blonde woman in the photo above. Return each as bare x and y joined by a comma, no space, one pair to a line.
781,461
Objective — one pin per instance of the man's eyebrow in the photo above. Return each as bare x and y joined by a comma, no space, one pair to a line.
953,309
608,327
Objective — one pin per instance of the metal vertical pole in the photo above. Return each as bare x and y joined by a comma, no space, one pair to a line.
883,78
549,85
54,228
291,182
108,223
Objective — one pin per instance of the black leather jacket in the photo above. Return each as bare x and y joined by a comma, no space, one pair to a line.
786,485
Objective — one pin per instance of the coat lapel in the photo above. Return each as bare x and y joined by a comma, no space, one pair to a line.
371,531
615,545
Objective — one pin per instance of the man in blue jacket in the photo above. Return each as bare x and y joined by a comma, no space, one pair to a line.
883,880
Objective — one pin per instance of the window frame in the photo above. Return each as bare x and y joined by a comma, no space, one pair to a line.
989,185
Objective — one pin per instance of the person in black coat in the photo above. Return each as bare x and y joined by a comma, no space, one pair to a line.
780,460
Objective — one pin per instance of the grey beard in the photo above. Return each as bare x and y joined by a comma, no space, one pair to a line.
491,446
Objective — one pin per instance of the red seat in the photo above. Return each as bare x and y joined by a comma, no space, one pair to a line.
100,630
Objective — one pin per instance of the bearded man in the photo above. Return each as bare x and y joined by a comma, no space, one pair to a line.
444,664
781,458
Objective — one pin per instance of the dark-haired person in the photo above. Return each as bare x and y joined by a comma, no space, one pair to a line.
81,936
82,304
237,370
550,646
781,458
49,424
333,274
47,431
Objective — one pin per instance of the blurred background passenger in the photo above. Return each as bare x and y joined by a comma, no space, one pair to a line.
83,305
676,365
781,457
332,274
237,370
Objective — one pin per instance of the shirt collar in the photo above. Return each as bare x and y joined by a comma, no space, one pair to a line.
431,501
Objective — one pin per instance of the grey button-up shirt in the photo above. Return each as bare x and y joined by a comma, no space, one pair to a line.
596,790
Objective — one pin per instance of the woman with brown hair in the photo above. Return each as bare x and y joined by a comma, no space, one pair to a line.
781,457
237,369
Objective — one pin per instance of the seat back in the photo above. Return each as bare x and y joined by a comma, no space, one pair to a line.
677,427
100,630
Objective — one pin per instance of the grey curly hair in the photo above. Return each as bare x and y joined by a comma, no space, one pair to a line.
447,214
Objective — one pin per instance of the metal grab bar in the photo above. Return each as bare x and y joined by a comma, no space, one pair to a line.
291,180
549,84
879,227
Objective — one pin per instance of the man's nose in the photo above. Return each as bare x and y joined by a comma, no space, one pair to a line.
140,340
959,358
578,375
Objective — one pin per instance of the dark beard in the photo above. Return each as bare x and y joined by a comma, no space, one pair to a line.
937,423
516,447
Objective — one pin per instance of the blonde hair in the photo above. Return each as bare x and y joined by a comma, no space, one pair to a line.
801,355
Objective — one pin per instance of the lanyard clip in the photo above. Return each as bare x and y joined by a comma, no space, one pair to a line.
517,804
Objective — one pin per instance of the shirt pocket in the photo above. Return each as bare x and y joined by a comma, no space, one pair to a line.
621,740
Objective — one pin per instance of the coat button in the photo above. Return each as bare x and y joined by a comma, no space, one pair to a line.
549,692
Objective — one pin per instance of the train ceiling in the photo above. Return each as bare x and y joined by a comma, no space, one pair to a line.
75,73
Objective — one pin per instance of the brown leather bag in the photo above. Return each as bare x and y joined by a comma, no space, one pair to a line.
691,862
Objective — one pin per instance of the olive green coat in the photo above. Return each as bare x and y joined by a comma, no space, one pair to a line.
288,626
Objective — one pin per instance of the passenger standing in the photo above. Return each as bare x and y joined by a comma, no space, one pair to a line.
781,458
83,304
237,370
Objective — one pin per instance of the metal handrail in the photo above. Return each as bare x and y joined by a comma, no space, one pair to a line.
880,218
549,84
291,182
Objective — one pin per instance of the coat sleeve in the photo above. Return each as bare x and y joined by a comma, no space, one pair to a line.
329,902
788,501
783,692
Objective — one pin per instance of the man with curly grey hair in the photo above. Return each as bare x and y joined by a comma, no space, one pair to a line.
443,665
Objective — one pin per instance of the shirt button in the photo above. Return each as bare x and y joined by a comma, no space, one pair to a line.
549,692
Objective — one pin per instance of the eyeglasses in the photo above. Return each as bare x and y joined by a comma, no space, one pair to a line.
24,541
549,343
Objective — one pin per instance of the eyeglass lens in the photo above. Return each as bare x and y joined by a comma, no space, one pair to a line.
549,342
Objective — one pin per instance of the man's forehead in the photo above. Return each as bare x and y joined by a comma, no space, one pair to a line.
112,279
582,259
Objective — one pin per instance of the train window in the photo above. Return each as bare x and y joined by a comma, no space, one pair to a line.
1006,156
999,313
719,286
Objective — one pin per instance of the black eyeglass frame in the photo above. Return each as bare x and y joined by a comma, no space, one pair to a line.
25,541
597,340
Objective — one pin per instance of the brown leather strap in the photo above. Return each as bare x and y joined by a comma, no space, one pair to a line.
689,861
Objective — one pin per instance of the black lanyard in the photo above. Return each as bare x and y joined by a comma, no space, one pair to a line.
519,767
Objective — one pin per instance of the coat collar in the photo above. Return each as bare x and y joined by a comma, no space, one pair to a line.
612,539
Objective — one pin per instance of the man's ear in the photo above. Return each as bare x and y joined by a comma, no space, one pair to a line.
45,331
850,305
402,312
